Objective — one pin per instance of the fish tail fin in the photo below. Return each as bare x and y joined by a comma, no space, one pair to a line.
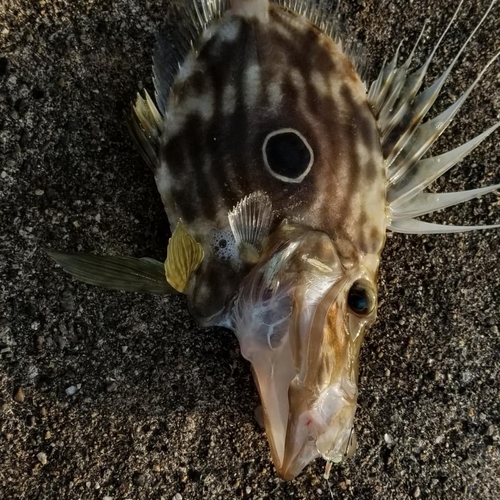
145,124
400,110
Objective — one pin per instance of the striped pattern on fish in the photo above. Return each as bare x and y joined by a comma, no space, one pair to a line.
248,79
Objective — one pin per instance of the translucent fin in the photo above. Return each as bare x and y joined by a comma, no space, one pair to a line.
428,170
258,9
382,85
250,221
191,18
426,203
427,133
389,115
145,125
114,272
184,256
414,226
322,14
405,89
408,109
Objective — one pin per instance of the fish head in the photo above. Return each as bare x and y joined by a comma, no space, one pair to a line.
300,318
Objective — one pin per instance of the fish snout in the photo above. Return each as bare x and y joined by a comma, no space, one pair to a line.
318,426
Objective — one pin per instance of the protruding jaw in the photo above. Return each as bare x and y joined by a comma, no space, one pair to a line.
300,319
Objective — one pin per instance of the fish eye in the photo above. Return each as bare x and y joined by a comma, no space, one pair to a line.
361,298
287,155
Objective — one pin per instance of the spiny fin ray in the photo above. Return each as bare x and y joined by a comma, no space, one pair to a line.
426,171
250,221
145,125
427,133
414,226
114,272
184,256
426,203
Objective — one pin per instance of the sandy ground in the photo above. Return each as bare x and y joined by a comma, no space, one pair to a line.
161,408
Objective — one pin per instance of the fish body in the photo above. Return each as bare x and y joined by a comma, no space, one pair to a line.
280,174
252,81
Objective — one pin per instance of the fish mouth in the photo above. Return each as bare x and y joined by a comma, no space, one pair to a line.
302,421
294,327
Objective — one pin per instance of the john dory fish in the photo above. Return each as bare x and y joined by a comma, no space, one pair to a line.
280,174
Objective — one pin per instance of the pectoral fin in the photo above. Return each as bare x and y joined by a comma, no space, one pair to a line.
184,256
115,272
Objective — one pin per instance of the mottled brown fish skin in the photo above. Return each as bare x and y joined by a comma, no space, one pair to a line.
247,79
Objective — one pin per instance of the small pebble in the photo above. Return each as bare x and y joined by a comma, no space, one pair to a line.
42,458
416,492
107,498
248,490
40,342
19,395
388,439
177,496
112,387
73,389
139,479
39,192
20,105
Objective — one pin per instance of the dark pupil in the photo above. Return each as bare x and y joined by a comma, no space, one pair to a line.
358,300
287,155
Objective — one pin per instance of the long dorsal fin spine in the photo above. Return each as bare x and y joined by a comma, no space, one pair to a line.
426,203
400,109
414,226
428,132
426,171
394,142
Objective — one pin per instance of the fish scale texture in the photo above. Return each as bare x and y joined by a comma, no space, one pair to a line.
123,396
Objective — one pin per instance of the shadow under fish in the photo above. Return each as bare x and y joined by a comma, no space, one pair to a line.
280,175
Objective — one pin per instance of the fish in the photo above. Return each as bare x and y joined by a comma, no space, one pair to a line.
282,169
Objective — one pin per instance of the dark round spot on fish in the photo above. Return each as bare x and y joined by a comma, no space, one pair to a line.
287,155
222,243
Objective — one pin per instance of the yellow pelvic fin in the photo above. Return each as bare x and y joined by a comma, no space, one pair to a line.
184,255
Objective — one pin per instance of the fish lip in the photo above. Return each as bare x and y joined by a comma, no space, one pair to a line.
298,454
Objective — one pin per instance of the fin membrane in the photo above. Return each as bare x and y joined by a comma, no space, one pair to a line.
145,125
327,19
250,221
190,18
128,274
184,256
400,109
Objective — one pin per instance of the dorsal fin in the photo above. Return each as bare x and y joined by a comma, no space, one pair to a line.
176,39
405,137
325,14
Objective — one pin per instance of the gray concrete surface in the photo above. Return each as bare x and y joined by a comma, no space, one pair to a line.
163,409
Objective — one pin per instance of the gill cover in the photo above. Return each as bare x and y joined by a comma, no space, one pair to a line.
294,320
